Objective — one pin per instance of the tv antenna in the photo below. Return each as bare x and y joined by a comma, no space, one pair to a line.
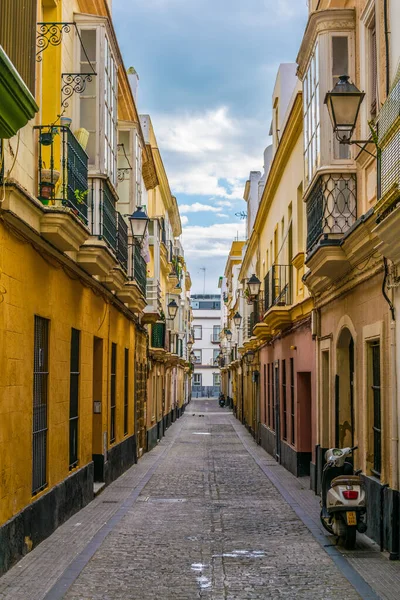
204,278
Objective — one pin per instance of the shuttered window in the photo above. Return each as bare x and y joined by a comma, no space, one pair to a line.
18,36
126,390
40,394
284,401
376,394
74,399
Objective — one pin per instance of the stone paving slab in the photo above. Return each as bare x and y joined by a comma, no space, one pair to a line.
195,518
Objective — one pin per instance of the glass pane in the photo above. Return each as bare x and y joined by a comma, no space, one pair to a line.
88,113
340,61
88,37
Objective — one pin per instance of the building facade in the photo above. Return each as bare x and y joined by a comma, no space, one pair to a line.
206,328
321,336
74,339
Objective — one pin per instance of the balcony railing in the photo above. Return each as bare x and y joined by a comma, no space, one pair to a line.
278,286
122,242
158,335
389,143
108,216
139,268
331,207
63,170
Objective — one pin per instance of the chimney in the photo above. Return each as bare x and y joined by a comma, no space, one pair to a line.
133,78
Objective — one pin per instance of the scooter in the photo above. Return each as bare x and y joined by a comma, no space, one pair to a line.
343,506
221,400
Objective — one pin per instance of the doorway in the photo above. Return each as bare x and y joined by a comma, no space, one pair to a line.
304,407
344,390
277,414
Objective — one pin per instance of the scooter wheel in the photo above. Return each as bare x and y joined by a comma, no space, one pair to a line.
350,537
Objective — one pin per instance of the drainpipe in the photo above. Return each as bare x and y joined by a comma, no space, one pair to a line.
387,52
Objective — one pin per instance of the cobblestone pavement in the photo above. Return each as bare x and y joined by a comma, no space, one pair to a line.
196,518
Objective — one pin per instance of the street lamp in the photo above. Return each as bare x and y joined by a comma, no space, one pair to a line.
138,221
172,310
253,286
249,357
343,104
237,319
228,334
192,357
189,344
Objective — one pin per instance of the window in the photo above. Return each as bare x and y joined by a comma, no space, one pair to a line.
196,378
98,102
265,394
113,391
375,379
215,354
284,404
40,391
292,419
126,389
215,333
197,332
216,379
197,356
340,66
312,135
74,398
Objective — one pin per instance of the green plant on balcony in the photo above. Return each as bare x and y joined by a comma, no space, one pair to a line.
80,195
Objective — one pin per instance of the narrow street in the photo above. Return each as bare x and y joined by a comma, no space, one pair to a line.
197,518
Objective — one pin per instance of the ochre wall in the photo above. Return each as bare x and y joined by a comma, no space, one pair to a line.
35,284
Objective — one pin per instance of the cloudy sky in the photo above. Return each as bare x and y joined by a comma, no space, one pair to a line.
207,70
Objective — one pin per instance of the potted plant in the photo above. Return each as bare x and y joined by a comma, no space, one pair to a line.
48,180
46,137
80,196
65,122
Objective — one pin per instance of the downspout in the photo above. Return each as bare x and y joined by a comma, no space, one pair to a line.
387,54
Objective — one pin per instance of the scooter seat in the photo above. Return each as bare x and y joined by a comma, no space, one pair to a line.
346,480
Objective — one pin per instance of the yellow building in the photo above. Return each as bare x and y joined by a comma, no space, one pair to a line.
168,282
73,337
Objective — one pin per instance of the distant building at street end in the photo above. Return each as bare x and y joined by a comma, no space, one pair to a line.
206,349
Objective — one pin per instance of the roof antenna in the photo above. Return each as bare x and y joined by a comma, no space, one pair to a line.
204,279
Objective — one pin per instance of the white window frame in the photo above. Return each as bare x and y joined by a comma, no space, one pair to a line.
311,116
198,351
106,133
197,379
198,327
369,14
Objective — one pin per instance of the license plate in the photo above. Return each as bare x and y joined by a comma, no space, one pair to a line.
351,517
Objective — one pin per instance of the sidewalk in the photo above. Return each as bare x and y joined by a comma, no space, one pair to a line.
373,565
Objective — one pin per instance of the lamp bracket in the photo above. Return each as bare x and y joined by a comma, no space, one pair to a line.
51,34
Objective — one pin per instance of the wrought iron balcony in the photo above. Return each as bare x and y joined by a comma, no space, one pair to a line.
108,216
331,208
153,294
278,285
63,170
122,242
139,268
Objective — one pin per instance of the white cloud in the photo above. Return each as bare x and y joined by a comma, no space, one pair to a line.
222,215
184,220
211,152
197,207
211,241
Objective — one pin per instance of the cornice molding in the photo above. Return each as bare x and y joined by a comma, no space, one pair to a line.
332,19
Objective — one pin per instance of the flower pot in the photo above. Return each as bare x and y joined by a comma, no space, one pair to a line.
46,191
46,138
65,121
49,176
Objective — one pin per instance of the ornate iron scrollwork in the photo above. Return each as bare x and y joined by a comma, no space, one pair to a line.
73,83
50,34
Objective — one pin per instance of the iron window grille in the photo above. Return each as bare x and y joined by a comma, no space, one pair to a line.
284,401
113,385
376,392
331,208
273,395
108,216
293,431
126,390
278,286
71,189
40,402
269,420
74,399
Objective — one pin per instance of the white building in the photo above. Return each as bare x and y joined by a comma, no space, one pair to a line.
206,333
